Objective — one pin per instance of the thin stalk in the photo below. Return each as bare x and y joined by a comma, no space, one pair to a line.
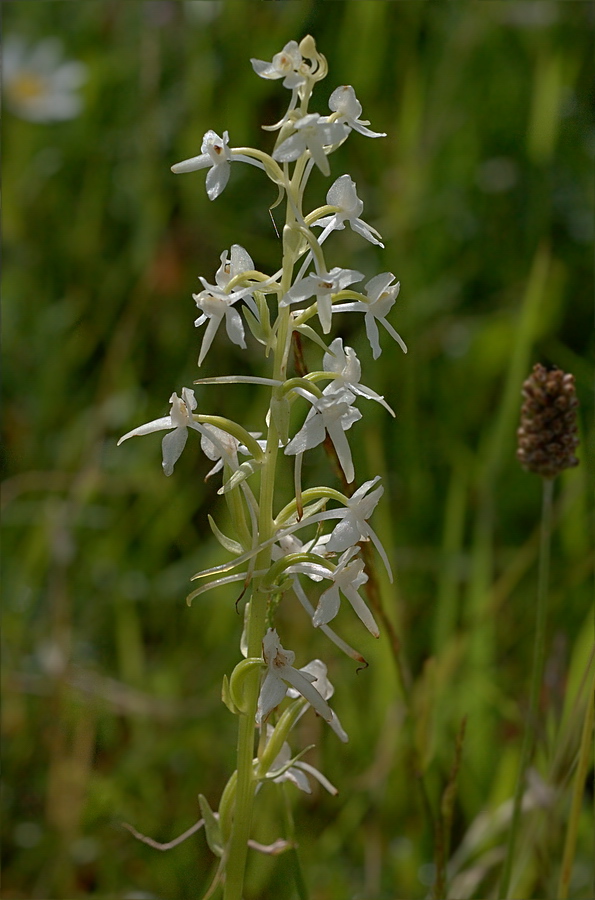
246,784
536,678
584,761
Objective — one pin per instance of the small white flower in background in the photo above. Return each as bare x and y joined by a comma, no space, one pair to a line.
342,193
382,295
281,674
38,84
295,771
286,64
203,11
312,133
330,413
344,101
180,419
321,285
344,365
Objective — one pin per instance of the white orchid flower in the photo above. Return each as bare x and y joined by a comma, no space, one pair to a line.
322,285
342,193
353,525
216,155
282,674
346,369
313,133
180,419
382,295
216,305
286,64
330,414
283,768
344,102
347,577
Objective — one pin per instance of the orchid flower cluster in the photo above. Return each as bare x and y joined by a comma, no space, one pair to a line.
315,538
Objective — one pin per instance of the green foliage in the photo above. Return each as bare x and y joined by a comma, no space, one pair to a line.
483,194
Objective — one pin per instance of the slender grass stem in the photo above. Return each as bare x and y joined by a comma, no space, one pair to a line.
584,761
536,678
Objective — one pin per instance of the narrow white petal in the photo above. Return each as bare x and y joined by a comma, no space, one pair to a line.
193,164
372,333
300,683
156,425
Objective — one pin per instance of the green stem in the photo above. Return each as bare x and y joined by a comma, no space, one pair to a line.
246,783
536,678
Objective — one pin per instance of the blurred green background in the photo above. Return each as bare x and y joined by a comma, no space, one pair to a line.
483,192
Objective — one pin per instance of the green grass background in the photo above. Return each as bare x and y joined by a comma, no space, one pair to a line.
483,192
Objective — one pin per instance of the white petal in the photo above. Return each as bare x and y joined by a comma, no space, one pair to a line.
192,164
172,445
310,435
290,149
156,425
372,333
208,336
341,444
234,327
362,610
328,607
272,693
378,285
301,683
216,179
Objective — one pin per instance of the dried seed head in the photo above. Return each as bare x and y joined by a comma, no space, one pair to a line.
548,435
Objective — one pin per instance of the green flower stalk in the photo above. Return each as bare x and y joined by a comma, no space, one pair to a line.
284,552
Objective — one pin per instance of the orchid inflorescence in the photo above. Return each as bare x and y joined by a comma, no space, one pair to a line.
271,555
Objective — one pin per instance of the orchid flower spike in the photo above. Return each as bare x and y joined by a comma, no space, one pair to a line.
180,419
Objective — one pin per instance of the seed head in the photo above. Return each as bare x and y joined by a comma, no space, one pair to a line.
548,434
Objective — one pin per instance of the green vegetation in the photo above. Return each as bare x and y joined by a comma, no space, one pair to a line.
483,193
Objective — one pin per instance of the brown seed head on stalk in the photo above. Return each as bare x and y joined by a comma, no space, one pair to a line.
548,434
